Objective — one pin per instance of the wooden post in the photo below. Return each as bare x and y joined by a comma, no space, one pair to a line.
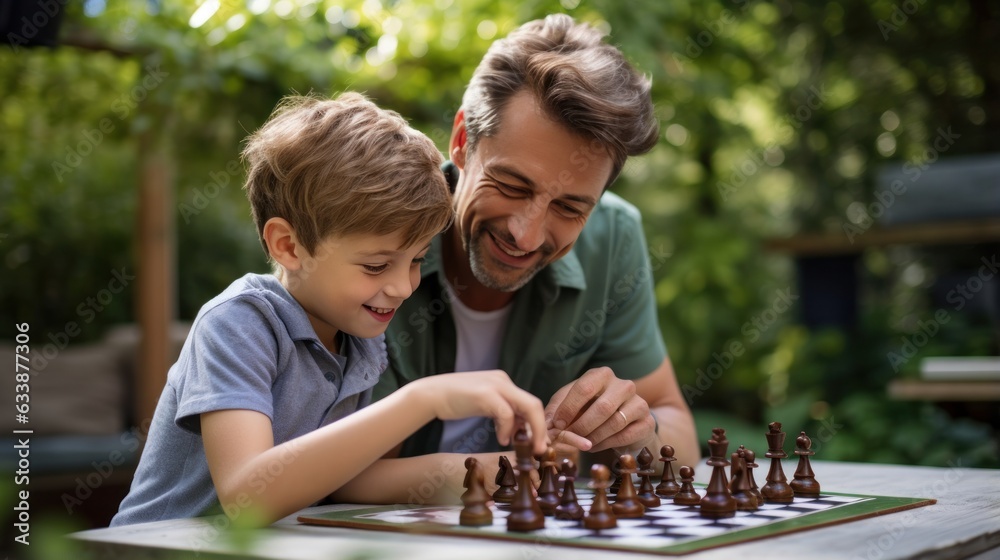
156,284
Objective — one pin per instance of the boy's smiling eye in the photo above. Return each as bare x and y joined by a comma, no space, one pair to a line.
376,268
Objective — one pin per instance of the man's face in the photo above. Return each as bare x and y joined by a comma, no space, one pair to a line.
525,193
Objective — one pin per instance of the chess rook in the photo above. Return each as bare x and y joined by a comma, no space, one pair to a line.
776,490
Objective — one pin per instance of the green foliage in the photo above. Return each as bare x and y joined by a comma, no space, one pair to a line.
775,118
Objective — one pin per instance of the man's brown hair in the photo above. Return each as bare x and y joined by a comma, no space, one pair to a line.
342,167
577,79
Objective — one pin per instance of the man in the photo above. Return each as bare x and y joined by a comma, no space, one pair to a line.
544,274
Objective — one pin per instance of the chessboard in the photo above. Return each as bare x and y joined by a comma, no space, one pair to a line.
667,529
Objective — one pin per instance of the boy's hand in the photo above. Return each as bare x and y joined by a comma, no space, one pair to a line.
485,393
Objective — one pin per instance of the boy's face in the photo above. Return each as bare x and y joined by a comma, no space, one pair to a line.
355,283
525,194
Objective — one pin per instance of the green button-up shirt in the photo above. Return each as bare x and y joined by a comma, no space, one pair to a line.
593,307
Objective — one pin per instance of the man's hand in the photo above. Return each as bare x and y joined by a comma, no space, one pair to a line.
598,411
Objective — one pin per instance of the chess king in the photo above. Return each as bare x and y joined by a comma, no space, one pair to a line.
545,274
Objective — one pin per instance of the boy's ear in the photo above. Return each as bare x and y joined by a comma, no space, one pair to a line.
458,144
283,244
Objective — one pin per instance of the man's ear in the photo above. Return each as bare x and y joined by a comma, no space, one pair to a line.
459,141
283,245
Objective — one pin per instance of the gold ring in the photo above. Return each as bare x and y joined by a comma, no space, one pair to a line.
623,416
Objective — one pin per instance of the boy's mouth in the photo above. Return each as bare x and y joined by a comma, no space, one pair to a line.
383,314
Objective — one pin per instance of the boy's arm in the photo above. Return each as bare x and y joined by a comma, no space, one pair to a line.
251,473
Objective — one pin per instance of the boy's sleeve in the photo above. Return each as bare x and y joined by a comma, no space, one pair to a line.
232,363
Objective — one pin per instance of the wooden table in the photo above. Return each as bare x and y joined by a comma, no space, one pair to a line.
964,523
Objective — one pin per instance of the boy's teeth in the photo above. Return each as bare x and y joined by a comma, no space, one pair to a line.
381,309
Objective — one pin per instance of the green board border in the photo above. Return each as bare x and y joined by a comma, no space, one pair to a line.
871,506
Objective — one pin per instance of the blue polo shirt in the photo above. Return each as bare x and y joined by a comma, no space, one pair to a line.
252,347
593,307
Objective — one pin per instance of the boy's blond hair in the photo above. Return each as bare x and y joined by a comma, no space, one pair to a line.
342,167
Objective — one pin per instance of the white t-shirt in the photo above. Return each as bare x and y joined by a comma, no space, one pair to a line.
480,334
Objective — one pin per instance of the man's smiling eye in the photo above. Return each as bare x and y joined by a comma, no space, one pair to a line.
375,269
511,191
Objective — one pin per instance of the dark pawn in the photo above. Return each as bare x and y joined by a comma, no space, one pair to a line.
627,503
505,478
646,495
475,513
548,492
804,483
667,486
525,515
686,496
751,460
600,515
616,469
569,507
745,500
718,501
776,490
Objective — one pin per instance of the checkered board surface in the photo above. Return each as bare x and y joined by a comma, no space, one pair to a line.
667,529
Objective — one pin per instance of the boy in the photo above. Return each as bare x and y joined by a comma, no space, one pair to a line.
266,408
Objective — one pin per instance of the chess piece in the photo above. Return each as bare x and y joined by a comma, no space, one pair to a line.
732,471
646,495
525,515
718,502
686,496
627,503
600,516
751,463
776,490
668,485
505,478
804,483
569,507
548,493
616,469
745,500
476,512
